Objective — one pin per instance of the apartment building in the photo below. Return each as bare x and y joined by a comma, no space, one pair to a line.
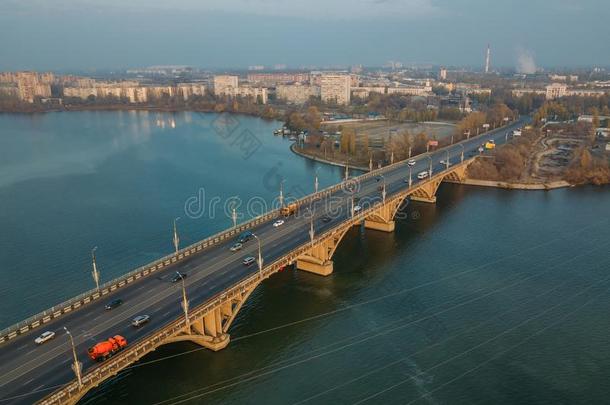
296,93
335,88
225,85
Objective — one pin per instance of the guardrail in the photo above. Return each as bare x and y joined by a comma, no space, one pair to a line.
143,271
98,374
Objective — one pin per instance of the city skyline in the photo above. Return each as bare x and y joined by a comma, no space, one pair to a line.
235,34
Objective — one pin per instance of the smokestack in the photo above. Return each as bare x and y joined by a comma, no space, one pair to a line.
487,59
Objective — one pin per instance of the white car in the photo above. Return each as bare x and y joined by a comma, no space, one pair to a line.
235,247
445,163
46,336
357,209
422,175
279,222
411,162
140,320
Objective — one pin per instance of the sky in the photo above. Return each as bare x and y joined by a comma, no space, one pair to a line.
225,34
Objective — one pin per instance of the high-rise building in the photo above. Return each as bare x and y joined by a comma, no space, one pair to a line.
225,85
335,88
442,74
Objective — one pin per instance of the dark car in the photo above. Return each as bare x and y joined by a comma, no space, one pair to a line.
113,304
244,237
178,277
326,218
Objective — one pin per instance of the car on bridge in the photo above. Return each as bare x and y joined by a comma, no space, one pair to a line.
178,277
326,219
114,304
140,320
245,236
357,209
45,337
248,261
279,222
411,162
445,162
422,175
236,246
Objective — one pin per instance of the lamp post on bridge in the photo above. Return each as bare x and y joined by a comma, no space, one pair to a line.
234,217
370,163
176,238
392,158
347,169
95,273
462,155
311,230
77,365
410,150
383,193
410,176
185,303
430,167
281,198
260,257
451,139
316,184
447,160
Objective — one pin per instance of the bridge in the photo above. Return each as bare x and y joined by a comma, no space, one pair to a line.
217,283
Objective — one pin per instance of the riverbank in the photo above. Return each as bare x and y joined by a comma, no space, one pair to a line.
295,150
514,185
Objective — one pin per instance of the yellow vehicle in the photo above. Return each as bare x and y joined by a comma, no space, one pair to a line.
288,209
491,144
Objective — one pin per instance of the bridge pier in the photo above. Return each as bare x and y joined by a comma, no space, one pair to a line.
317,259
382,219
315,266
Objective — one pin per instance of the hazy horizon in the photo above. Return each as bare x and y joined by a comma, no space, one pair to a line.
233,34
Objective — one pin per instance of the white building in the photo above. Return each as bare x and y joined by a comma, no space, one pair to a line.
188,90
335,88
555,90
225,85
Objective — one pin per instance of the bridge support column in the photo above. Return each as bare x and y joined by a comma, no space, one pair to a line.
427,191
317,260
382,219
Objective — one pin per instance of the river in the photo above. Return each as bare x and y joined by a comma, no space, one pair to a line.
488,296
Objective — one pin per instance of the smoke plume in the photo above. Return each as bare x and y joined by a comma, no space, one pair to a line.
525,61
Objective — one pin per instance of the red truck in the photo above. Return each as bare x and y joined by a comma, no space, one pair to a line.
101,351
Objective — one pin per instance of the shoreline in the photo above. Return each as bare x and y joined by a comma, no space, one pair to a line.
325,161
551,185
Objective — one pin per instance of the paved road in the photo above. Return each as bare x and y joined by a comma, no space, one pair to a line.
29,372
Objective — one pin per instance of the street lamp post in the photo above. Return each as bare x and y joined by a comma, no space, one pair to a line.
77,365
260,257
452,139
176,237
392,158
281,193
462,155
383,193
185,303
447,160
315,183
347,169
234,217
371,163
430,167
410,149
95,273
311,230
410,176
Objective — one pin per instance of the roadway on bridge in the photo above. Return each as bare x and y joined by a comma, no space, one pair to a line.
29,372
